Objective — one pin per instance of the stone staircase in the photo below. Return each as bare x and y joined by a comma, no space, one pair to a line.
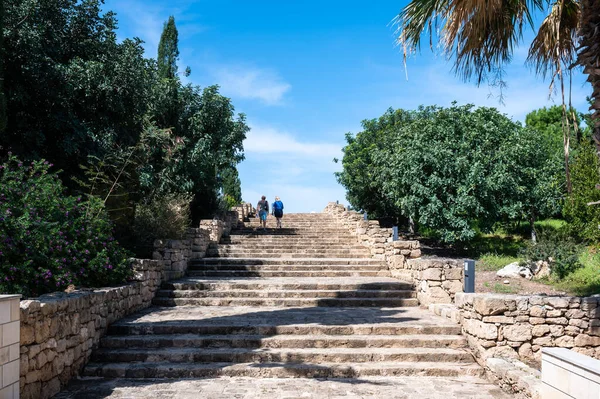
302,301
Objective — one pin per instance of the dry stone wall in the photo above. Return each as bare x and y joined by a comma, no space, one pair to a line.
59,330
437,280
175,254
511,326
378,239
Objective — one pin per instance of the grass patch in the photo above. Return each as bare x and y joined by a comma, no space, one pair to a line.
495,262
504,289
584,281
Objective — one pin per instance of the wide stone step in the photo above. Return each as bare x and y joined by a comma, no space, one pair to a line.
278,370
286,294
287,254
290,267
295,261
289,246
287,355
288,273
274,284
283,341
286,302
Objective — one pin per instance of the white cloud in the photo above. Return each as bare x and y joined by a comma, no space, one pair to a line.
265,139
301,172
251,83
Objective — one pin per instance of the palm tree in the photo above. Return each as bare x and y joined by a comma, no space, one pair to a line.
480,35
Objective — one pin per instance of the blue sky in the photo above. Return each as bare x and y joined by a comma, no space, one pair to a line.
305,73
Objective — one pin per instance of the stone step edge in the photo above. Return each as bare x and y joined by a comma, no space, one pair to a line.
291,337
179,370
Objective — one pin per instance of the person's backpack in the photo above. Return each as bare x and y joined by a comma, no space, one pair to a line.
276,206
264,206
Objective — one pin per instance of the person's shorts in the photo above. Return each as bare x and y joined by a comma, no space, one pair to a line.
278,213
263,215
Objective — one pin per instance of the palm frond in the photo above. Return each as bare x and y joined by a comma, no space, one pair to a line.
479,34
554,45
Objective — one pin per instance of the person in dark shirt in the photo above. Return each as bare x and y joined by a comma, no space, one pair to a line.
263,210
278,210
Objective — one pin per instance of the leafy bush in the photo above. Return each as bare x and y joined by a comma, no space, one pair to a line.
48,240
164,217
560,249
455,170
583,218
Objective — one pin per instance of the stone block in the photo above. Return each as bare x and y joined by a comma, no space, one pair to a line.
586,340
480,329
518,332
489,305
452,286
540,330
557,302
454,273
499,319
10,332
431,274
10,373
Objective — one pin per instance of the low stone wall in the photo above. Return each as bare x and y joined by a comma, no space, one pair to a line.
9,346
437,280
175,254
244,211
518,327
59,330
378,239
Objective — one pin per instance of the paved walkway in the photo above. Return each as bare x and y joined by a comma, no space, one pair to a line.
286,388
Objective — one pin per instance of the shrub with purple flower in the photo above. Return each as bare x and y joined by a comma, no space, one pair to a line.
49,240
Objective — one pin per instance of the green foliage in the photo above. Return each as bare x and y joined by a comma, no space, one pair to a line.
164,217
584,281
557,248
232,186
49,240
584,219
168,50
95,90
123,128
454,170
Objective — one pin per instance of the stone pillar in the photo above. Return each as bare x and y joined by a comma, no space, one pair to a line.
10,315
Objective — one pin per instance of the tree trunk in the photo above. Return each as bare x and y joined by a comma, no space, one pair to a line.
589,58
532,225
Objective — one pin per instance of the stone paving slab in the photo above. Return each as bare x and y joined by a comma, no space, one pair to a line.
285,388
266,315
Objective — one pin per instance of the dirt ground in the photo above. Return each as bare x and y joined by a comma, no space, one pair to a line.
487,281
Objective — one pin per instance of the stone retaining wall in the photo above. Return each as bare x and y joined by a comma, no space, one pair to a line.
59,330
437,280
175,254
378,239
244,211
512,326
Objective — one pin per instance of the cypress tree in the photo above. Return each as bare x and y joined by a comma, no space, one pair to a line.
168,50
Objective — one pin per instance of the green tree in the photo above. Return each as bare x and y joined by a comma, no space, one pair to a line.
95,93
454,170
584,219
480,36
168,50
231,184
358,176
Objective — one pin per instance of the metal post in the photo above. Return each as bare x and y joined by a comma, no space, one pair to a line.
469,275
395,233
365,216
